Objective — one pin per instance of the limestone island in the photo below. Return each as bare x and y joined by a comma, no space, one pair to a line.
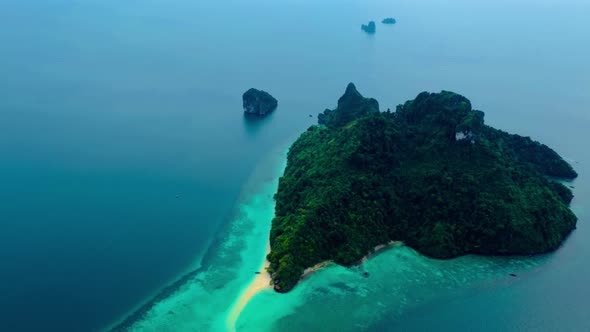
258,102
389,20
430,174
369,28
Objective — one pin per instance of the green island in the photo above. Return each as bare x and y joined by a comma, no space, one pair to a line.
430,174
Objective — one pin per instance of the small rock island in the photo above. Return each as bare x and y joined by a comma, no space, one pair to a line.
430,174
369,28
389,20
258,102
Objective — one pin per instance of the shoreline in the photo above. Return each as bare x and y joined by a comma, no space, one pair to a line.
255,186
377,250
307,272
261,282
380,248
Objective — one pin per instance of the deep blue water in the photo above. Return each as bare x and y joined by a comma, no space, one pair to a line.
118,163
123,148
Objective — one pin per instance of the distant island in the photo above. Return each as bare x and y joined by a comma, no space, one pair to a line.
430,174
258,102
389,20
369,28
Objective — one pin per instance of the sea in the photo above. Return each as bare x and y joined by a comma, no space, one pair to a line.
135,196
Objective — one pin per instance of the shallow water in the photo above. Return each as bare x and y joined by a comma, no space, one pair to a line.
399,280
204,299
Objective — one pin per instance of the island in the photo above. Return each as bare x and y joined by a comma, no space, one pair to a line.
389,20
369,28
258,102
431,175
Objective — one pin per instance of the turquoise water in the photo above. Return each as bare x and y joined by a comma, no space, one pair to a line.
126,165
399,280
203,301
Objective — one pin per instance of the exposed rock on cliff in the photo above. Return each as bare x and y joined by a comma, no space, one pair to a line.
258,102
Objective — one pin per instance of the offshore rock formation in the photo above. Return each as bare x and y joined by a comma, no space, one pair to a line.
369,28
258,102
431,174
389,20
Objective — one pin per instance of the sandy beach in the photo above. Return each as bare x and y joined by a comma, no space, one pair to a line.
379,249
375,251
313,269
261,281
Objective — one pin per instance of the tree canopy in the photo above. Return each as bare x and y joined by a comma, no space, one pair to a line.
431,174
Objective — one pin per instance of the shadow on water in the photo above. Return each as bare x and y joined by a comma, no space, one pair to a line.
254,123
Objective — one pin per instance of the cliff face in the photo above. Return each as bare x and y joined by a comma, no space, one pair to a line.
352,105
431,174
258,102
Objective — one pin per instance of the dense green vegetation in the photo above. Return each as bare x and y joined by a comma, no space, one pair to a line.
431,174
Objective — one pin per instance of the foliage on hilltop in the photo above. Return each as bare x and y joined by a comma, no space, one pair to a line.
431,174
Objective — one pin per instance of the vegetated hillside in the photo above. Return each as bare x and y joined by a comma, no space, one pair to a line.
431,174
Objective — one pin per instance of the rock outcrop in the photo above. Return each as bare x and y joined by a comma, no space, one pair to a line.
369,28
351,105
258,102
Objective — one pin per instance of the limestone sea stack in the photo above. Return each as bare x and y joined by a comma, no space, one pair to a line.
258,102
370,28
